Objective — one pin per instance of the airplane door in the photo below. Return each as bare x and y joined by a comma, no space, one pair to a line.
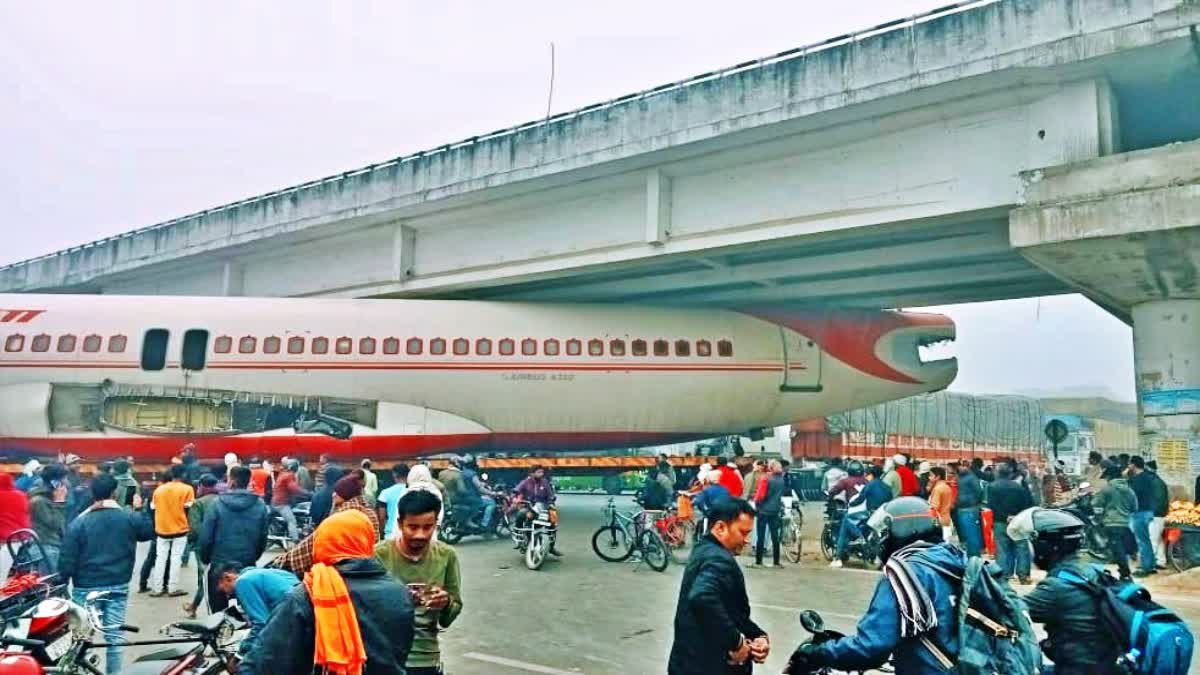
802,360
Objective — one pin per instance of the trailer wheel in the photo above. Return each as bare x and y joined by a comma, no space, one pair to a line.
613,484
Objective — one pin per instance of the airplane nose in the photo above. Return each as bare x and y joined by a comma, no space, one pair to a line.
884,344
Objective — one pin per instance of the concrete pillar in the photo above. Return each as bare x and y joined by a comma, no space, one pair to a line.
1166,350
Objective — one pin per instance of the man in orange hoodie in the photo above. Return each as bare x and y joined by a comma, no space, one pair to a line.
941,499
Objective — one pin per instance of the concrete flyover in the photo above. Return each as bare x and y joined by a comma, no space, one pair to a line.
1125,230
874,169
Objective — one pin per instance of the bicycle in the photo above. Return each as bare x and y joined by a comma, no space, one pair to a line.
793,525
677,534
625,533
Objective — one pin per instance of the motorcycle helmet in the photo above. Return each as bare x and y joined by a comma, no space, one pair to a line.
292,464
904,521
468,459
1055,534
854,468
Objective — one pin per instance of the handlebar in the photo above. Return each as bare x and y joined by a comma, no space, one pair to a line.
20,642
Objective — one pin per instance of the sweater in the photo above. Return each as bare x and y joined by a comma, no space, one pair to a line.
439,566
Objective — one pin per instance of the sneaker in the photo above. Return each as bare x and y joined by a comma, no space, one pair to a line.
777,566
1144,573
158,594
836,564
177,593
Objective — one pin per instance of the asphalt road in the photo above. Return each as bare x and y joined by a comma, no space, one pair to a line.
583,615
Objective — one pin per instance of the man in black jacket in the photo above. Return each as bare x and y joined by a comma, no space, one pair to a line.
97,556
713,631
1144,485
234,531
1007,498
378,613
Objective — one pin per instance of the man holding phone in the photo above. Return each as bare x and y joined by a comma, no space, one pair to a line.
430,570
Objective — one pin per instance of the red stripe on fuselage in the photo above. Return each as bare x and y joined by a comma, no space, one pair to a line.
155,448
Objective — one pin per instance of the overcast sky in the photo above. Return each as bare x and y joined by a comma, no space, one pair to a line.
117,115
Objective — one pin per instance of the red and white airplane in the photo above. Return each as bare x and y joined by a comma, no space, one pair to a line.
104,376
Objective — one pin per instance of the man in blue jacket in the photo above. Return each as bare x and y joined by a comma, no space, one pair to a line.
234,532
97,556
909,530
258,590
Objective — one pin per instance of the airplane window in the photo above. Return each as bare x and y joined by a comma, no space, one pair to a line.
437,346
195,347
724,348
40,343
507,347
462,346
703,348
683,348
550,347
91,343
320,345
223,344
414,346
528,347
247,344
366,345
66,343
154,348
391,345
344,345
296,345
638,347
14,343
483,347
616,347
595,348
574,348
661,348
271,345
116,344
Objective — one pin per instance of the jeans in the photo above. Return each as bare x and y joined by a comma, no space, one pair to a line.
1013,556
970,530
1140,522
198,596
112,615
50,562
774,525
148,567
489,511
848,532
168,557
1118,547
289,519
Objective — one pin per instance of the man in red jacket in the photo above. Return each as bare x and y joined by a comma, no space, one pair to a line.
731,478
14,515
909,485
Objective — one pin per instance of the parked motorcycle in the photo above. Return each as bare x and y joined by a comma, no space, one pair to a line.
58,638
1095,538
864,548
277,533
535,539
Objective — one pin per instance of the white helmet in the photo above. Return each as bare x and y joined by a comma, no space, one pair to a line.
231,459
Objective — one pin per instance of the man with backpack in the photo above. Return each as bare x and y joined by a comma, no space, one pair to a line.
1095,624
914,614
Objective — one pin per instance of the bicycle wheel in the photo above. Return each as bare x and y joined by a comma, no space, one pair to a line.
612,544
654,551
828,543
1184,553
680,540
792,543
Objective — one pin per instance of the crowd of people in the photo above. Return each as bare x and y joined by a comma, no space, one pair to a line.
367,590
914,615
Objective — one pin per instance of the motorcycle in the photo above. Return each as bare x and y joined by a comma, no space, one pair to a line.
277,532
865,548
815,625
1095,538
537,537
451,531
57,638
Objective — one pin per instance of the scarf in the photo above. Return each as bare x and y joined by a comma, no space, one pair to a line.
917,613
338,648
